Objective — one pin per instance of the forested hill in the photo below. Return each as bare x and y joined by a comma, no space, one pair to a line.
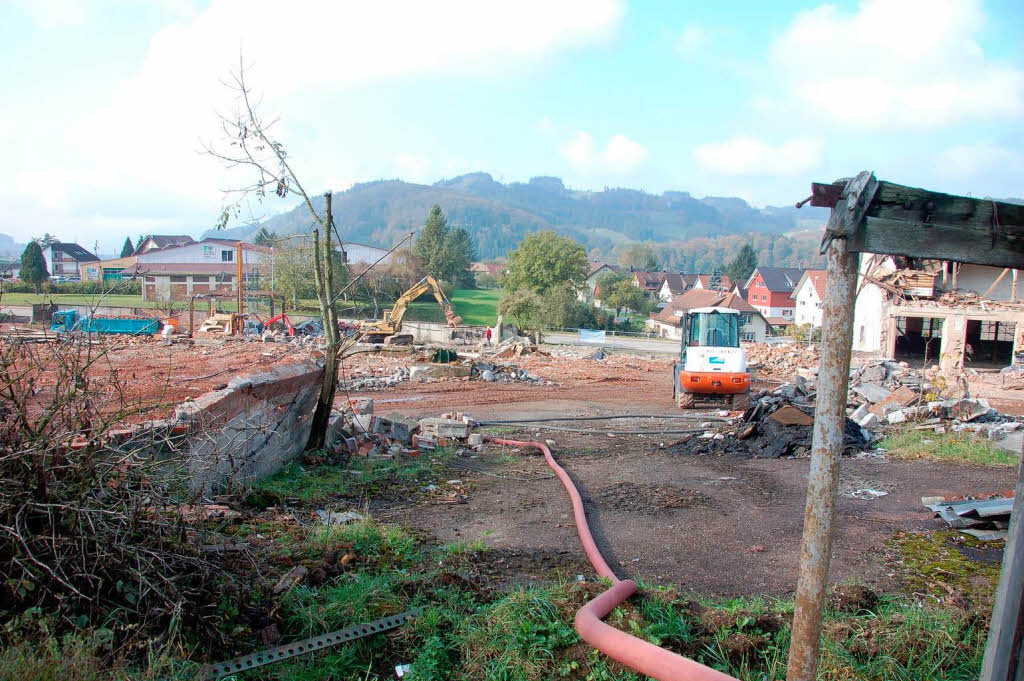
499,215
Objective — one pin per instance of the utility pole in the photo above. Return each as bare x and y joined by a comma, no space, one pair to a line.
239,273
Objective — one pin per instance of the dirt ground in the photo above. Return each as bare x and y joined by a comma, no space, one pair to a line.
715,526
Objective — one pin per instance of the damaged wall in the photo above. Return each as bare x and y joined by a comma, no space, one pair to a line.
433,332
253,426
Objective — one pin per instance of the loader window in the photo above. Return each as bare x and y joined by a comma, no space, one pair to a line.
714,329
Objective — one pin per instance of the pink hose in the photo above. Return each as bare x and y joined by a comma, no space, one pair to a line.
639,655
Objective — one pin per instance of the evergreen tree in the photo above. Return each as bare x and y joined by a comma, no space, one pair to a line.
127,249
743,265
715,283
264,237
459,254
33,265
432,244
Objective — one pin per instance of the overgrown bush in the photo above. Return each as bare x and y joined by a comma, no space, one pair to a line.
91,533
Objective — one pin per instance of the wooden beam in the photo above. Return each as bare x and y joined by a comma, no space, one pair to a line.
1013,289
924,224
995,283
955,267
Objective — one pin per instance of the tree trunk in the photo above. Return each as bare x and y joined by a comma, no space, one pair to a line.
323,271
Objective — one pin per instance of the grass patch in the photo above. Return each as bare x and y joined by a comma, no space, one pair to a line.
360,477
956,447
477,307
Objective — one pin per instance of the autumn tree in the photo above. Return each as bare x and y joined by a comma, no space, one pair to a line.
33,265
639,256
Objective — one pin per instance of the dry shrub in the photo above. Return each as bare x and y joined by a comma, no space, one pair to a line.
89,536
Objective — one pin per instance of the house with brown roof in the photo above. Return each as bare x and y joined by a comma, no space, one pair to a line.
649,281
675,284
809,294
704,281
668,322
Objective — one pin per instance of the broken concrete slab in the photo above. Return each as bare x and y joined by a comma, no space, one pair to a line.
872,392
901,397
444,427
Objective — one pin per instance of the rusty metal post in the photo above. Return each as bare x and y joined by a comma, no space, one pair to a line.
827,446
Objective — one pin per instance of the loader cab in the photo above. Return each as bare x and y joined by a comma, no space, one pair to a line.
710,327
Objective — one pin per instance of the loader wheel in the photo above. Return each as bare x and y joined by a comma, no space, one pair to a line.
685,400
740,401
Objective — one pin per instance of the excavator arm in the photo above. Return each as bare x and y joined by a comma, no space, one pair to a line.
392,322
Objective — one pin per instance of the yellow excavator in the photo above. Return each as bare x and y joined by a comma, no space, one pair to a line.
387,330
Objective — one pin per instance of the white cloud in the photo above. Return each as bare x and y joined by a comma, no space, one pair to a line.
745,155
620,156
545,125
146,141
894,64
974,160
693,40
411,167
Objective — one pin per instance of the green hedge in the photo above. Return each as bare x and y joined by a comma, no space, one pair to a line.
126,287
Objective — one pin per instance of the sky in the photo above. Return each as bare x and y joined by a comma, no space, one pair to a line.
107,104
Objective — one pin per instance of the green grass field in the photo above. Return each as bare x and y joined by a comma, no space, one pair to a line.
478,307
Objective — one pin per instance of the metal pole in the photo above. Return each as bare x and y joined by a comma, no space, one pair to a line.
240,273
827,445
1003,650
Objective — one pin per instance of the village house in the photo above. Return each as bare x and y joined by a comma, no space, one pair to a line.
668,322
650,282
361,253
597,270
63,259
770,290
809,294
675,284
960,315
703,281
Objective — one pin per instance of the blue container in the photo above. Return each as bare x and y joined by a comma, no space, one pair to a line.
130,326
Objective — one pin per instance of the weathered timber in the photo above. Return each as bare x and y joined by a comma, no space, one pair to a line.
925,224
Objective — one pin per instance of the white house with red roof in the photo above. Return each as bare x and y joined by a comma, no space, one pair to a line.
809,294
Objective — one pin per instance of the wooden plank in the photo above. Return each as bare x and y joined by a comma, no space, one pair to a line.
897,202
995,283
938,241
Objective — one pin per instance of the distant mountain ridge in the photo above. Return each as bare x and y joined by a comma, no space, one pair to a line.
499,216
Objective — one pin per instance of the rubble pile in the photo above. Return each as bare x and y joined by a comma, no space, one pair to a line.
504,373
886,392
517,346
986,519
357,431
775,362
377,382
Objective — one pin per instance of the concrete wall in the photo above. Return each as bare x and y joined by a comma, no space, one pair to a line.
434,332
251,428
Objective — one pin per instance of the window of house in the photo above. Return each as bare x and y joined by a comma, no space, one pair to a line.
748,335
208,252
764,297
787,313
227,278
150,280
200,278
177,278
227,256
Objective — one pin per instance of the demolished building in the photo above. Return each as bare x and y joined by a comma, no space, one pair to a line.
959,315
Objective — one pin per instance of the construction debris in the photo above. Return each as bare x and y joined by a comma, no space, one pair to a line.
984,519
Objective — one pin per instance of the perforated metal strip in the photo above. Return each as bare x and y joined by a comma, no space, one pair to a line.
309,645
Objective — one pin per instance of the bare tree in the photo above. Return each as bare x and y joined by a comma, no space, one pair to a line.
248,142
